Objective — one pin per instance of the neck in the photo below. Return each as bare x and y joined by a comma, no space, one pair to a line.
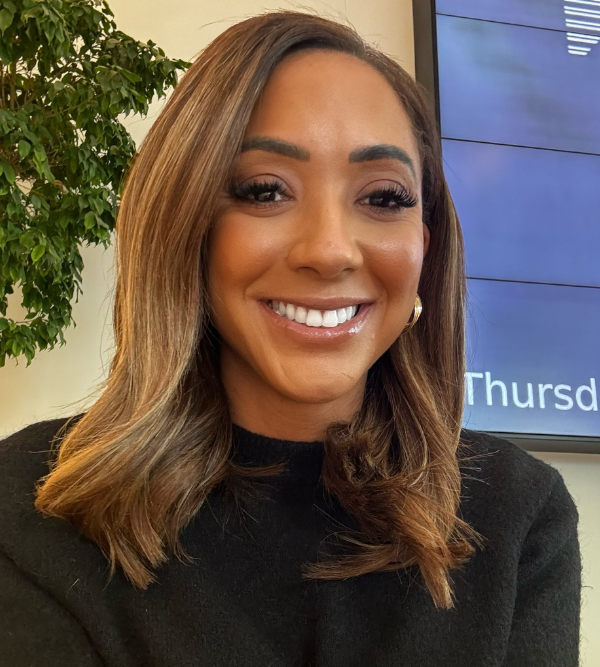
260,408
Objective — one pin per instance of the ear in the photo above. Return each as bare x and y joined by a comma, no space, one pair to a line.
426,235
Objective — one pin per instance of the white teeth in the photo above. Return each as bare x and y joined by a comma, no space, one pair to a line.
330,318
301,314
312,317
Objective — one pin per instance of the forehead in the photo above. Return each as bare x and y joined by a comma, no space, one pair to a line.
328,102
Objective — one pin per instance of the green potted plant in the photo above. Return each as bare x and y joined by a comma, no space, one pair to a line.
67,75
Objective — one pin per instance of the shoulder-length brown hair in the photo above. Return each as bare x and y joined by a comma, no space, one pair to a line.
133,471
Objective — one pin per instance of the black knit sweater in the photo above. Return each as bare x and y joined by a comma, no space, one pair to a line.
243,603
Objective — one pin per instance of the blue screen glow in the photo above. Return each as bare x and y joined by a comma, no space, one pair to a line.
519,85
527,214
514,85
532,358
535,13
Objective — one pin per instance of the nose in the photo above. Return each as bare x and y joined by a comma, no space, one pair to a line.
325,242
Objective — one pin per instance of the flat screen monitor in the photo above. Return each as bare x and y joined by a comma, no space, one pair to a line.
516,90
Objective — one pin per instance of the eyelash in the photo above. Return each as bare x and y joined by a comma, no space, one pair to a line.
403,198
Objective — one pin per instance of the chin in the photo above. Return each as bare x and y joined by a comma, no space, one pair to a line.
318,390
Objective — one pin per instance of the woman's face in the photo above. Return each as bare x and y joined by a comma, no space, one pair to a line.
323,223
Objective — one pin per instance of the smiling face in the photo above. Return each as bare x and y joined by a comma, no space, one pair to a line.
323,220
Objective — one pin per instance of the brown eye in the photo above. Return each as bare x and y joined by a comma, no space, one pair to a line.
259,192
390,199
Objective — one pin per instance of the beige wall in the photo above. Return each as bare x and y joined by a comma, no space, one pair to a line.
57,381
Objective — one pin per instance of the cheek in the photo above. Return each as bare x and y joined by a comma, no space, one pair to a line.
399,272
239,253
397,265
242,255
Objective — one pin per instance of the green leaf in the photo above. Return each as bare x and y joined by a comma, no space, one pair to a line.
38,252
24,148
134,78
39,153
27,239
89,220
6,19
98,205
8,171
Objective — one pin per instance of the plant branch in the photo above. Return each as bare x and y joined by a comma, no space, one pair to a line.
13,74
2,88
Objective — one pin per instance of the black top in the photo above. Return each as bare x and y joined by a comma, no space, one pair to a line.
244,603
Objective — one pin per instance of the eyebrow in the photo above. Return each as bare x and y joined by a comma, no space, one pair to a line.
275,146
365,154
380,152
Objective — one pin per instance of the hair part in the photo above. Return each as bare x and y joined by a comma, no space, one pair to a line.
137,466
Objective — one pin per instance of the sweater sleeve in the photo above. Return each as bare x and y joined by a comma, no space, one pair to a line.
545,625
35,630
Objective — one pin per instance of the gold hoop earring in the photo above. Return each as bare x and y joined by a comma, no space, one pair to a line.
417,310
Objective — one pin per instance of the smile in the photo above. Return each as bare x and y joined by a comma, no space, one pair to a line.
314,318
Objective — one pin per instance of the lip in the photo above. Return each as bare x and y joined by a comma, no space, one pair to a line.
302,333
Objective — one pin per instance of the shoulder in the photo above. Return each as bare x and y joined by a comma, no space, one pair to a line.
530,561
25,458
509,488
503,459
42,559
25,455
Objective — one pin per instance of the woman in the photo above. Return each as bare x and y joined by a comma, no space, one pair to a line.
277,414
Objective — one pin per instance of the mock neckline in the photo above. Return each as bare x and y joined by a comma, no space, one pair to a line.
254,449
304,459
